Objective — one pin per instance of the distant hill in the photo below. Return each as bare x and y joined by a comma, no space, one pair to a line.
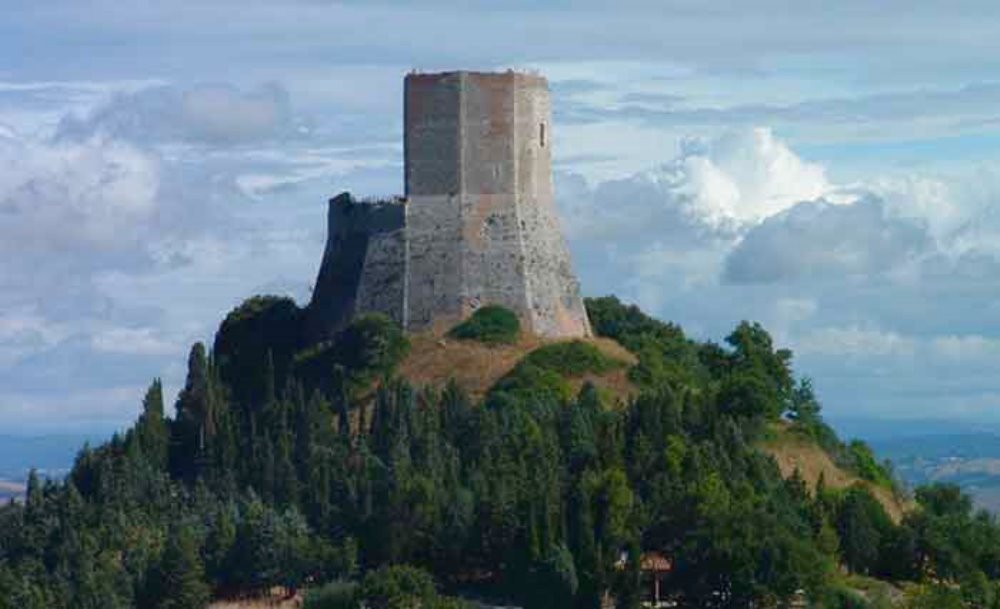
51,455
11,490
968,459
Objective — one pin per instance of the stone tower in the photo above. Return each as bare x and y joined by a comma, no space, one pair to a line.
478,224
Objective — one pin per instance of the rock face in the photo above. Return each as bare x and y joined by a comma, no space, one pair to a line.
478,224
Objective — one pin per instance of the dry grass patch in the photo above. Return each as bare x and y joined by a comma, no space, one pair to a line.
796,453
435,360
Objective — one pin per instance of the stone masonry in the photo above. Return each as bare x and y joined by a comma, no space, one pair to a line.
478,224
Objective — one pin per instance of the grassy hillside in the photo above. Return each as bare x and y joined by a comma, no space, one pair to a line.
795,453
436,359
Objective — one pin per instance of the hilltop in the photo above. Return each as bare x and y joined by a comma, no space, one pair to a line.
435,359
486,461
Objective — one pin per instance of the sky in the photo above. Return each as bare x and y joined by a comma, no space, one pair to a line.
831,170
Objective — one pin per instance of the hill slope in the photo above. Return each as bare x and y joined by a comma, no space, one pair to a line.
794,453
435,359
517,482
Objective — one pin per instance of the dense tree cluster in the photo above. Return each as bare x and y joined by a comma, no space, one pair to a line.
288,464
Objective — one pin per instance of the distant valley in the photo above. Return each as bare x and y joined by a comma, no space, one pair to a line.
923,452
50,455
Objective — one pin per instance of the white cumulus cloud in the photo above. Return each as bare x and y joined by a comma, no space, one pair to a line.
65,196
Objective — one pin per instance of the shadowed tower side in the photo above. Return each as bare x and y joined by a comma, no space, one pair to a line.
481,220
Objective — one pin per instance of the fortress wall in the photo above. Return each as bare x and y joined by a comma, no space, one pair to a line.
433,150
555,303
363,264
481,224
488,116
432,133
382,286
493,267
435,272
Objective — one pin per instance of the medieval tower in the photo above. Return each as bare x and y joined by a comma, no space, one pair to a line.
478,224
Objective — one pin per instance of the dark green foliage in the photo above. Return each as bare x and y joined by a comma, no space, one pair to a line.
255,344
863,462
543,373
839,597
370,348
178,581
152,435
526,382
491,324
665,354
542,498
573,358
334,595
862,524
403,587
398,587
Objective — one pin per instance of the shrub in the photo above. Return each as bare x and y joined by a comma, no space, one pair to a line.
840,597
532,382
334,595
492,325
573,358
403,587
542,373
372,346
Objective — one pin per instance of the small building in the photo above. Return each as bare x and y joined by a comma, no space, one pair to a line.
653,567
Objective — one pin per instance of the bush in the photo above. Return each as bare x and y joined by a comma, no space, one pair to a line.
527,381
334,595
665,354
573,358
839,597
372,346
403,587
542,373
492,325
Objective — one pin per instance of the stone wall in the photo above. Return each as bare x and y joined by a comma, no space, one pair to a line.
554,291
364,264
497,238
479,225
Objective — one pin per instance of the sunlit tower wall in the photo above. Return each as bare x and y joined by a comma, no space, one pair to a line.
481,221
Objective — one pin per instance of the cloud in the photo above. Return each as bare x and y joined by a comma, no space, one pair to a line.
95,195
716,184
671,228
136,341
966,347
743,176
214,114
817,239
854,341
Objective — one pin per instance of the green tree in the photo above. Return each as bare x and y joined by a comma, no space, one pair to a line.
178,582
151,431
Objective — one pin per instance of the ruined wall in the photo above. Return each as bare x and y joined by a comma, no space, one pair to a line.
364,264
